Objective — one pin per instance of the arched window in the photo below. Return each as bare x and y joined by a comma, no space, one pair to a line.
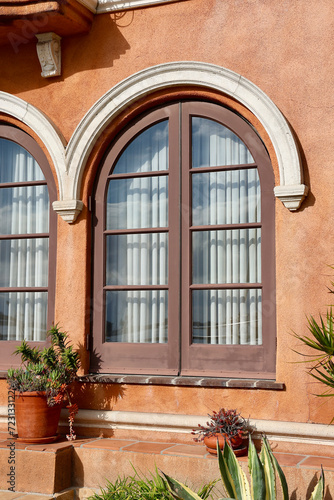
27,242
184,247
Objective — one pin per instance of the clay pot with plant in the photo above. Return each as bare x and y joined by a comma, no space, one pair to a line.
41,388
225,426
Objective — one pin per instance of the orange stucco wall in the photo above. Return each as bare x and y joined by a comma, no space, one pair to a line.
285,48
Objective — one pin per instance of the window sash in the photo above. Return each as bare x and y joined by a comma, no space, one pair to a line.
203,359
158,356
28,261
243,351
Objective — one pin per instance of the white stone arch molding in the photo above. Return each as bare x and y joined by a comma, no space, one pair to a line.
44,128
291,189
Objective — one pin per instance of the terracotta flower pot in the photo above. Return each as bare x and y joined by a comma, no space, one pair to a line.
36,422
236,442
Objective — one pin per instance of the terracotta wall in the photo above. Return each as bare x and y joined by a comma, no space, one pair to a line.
285,48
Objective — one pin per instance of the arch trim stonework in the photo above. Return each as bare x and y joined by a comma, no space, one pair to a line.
70,161
291,189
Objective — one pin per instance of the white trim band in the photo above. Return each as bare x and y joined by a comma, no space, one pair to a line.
298,432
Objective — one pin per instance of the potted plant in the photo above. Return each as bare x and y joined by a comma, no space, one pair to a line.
41,387
225,425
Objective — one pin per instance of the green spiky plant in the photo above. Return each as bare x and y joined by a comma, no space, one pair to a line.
263,470
321,340
140,487
50,370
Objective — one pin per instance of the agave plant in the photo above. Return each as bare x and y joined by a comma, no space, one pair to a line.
263,470
321,340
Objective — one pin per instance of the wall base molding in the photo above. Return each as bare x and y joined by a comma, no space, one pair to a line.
297,432
294,432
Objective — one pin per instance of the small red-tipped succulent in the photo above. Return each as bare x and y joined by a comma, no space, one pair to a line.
227,422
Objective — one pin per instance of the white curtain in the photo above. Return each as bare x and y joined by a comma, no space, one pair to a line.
138,259
231,256
219,256
214,145
24,261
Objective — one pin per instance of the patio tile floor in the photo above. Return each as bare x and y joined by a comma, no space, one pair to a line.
188,451
8,495
164,448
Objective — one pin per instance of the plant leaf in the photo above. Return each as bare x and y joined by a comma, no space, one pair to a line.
233,476
269,471
225,473
279,471
258,484
319,490
179,490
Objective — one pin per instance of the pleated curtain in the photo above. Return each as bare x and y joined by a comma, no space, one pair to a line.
219,256
139,259
225,256
24,261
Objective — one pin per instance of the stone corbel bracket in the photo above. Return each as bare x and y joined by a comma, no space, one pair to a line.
68,209
291,195
49,54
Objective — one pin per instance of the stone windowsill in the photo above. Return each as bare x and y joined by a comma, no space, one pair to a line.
228,383
183,381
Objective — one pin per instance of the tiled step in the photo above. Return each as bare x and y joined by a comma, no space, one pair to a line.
8,495
74,470
39,469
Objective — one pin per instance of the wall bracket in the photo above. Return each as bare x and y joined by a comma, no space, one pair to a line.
49,54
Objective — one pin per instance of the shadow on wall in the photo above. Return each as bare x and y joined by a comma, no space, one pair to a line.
327,496
296,494
97,396
98,49
310,198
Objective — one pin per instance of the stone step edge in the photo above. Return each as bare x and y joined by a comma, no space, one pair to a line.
73,493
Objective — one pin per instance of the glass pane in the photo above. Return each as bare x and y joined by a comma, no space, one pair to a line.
226,256
138,202
137,259
24,210
214,145
227,317
23,315
226,197
24,263
148,152
137,316
16,164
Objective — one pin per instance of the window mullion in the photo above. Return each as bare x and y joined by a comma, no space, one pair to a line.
185,224
174,241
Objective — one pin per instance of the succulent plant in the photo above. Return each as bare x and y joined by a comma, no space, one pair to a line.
263,470
50,370
228,422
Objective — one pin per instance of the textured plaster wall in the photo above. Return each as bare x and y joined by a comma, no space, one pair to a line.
285,48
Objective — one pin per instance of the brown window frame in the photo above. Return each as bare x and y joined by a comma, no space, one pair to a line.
14,134
179,356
